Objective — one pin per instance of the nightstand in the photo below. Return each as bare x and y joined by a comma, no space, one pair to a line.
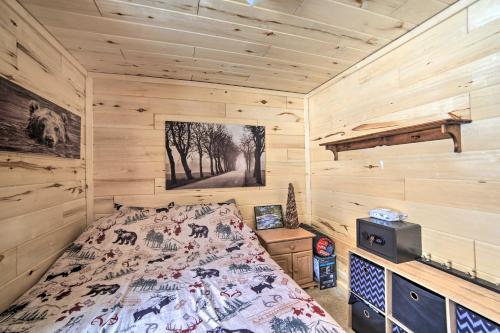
292,250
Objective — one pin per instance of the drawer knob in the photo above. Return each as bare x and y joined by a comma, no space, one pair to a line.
292,246
366,314
414,296
365,269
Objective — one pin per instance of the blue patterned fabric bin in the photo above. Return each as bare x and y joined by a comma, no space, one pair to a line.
471,322
397,329
368,281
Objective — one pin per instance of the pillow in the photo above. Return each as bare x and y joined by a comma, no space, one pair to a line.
120,207
227,202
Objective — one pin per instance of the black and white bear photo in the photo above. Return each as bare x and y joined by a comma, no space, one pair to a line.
32,124
46,126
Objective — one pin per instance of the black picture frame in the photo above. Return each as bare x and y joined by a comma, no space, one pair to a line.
230,162
264,219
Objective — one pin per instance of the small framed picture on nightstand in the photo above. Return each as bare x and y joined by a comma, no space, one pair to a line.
268,217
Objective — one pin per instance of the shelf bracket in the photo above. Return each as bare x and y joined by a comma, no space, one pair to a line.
333,149
454,132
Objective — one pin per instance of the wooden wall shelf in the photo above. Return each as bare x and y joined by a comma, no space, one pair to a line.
431,131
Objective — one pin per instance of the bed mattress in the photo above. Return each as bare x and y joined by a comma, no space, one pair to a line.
180,269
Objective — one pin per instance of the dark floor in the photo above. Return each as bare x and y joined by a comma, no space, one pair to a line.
334,301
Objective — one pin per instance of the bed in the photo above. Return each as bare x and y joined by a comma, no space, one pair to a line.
181,269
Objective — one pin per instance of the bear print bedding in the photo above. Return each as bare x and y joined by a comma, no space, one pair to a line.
181,269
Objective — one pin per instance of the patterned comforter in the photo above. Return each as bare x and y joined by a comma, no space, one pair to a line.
180,269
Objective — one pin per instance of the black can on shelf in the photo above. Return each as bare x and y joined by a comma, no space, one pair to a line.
323,246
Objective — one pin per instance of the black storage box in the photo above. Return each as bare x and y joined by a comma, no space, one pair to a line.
395,241
325,272
365,319
418,308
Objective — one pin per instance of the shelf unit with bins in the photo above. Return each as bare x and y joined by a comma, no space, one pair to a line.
455,291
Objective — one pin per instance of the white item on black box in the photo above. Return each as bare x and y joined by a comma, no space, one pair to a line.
387,214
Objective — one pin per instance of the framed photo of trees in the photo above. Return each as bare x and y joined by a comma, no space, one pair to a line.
206,155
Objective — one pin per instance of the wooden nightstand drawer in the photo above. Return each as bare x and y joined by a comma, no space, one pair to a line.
291,249
297,245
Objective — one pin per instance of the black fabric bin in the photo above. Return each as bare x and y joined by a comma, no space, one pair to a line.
365,319
418,308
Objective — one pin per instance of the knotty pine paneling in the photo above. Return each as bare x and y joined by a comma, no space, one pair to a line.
129,140
450,70
284,45
42,198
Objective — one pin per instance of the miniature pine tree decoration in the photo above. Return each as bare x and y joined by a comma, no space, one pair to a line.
291,217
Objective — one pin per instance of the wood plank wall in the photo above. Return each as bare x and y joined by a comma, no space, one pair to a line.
42,199
450,70
129,140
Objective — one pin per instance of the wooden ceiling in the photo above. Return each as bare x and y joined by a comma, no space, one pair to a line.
288,45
